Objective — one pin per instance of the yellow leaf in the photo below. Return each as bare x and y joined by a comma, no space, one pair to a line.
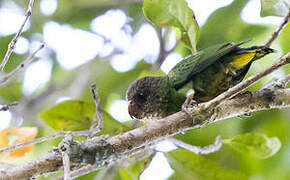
23,135
3,142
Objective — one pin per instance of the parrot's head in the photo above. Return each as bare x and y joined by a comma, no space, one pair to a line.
148,97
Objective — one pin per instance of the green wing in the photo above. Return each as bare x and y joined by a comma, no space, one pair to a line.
182,72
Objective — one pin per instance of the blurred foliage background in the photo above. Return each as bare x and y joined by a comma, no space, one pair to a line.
111,43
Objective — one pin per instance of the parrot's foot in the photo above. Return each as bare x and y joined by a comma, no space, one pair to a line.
189,102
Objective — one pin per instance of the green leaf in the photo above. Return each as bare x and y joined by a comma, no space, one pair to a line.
71,115
255,144
111,126
174,13
188,165
11,92
75,115
274,7
134,170
89,176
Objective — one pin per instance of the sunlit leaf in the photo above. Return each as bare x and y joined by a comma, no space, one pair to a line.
14,136
77,115
255,144
188,165
274,7
173,13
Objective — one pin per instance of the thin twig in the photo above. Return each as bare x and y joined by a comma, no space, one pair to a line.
246,83
6,107
276,33
97,124
11,45
46,138
162,51
27,61
197,149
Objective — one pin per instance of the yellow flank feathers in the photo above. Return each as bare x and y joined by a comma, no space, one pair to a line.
241,60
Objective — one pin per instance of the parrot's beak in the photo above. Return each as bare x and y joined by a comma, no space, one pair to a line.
131,110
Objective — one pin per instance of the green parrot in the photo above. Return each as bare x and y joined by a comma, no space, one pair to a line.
209,73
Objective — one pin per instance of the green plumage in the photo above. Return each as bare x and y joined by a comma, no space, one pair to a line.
208,72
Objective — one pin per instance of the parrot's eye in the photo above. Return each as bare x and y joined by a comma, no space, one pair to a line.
140,97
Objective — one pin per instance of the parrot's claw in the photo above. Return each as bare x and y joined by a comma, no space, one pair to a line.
189,102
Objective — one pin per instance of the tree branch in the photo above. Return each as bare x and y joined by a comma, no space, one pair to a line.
276,33
7,77
11,45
